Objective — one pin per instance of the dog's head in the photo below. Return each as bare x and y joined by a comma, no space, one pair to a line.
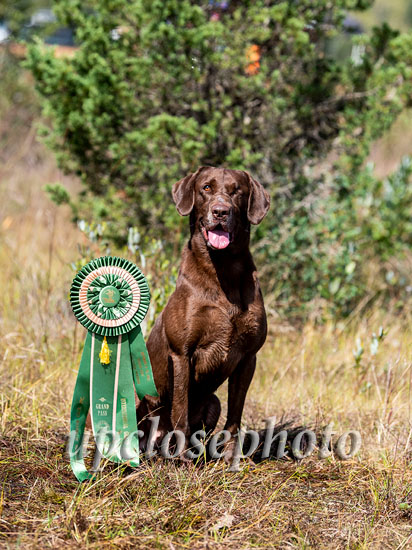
222,204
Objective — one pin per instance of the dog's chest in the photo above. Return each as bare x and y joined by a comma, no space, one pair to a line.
247,325
244,309
228,334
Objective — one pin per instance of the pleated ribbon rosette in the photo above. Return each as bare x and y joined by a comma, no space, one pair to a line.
110,297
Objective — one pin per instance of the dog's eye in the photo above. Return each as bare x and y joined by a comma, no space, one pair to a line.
207,188
234,192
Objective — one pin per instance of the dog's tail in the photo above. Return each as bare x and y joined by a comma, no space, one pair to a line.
282,441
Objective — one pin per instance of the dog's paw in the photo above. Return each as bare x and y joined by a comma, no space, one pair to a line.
229,451
184,459
232,457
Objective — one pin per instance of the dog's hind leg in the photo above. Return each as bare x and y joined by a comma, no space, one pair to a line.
206,417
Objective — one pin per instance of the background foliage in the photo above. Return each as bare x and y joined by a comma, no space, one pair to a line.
354,373
158,88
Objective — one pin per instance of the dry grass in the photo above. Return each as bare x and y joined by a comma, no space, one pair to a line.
397,13
389,150
365,503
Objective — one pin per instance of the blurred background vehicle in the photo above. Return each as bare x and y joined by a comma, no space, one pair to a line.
42,24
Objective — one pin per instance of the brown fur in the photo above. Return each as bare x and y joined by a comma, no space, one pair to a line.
214,322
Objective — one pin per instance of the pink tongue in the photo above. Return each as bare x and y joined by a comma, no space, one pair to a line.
218,238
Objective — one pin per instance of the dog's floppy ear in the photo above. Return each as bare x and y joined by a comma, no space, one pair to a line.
184,192
259,201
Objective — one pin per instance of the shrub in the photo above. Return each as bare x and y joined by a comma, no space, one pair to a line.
160,87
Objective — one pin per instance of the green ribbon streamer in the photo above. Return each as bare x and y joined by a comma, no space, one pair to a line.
109,391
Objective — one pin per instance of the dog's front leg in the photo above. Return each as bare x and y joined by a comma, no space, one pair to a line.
239,382
179,390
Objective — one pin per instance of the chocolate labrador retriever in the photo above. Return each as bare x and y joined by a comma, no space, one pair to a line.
214,322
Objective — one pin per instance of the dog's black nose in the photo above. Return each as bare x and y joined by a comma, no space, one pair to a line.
220,211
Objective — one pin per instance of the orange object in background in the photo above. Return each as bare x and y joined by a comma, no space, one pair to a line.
253,57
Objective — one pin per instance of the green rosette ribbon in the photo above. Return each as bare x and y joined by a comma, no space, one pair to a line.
110,297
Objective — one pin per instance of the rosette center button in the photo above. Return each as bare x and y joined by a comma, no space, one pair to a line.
109,296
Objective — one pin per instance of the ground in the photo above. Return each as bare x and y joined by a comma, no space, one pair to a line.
308,374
